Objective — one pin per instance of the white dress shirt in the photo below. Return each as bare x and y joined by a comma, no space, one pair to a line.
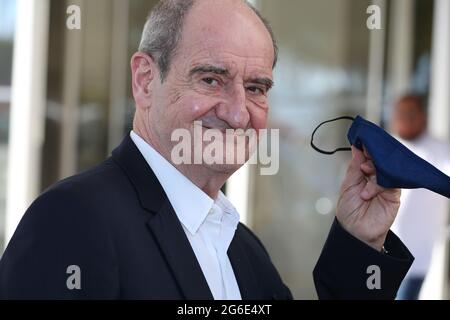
209,224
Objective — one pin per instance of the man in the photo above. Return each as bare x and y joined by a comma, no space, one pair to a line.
139,226
423,214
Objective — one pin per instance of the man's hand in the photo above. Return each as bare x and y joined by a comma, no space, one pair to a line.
365,209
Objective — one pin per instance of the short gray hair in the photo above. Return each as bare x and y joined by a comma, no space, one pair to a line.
163,30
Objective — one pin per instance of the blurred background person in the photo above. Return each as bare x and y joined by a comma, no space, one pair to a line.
422,217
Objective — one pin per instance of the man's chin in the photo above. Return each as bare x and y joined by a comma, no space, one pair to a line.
224,168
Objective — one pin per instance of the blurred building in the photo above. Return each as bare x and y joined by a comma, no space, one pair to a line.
65,103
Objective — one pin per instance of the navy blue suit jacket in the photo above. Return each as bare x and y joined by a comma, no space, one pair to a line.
115,222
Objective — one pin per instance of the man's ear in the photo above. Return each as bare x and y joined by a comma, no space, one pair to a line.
143,70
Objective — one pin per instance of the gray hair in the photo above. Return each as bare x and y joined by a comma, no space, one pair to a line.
163,30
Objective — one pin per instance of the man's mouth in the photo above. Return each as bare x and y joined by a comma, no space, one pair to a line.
221,130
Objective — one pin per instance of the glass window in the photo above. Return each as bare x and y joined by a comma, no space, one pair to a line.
7,21
90,107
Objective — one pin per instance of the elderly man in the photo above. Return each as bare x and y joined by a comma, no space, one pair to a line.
139,226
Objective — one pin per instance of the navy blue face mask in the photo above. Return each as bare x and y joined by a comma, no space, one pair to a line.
396,165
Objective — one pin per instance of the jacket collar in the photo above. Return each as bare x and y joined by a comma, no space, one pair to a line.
191,204
150,193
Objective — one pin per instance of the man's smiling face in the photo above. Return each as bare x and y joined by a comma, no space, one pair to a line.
220,74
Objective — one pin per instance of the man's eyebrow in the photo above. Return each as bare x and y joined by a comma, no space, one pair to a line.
264,81
207,68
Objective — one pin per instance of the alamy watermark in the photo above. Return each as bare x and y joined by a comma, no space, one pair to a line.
374,280
374,20
73,281
227,147
73,21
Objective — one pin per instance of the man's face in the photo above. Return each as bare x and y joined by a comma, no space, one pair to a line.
220,74
409,119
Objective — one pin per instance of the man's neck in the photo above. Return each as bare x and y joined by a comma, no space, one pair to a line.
208,181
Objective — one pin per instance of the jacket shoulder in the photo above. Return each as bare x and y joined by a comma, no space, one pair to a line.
62,228
99,176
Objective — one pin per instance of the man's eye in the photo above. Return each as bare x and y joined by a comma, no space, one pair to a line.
210,81
256,90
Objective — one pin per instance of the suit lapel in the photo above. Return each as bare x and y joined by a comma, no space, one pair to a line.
179,255
242,268
163,222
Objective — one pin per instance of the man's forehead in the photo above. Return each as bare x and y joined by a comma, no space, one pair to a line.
236,31
408,104
229,58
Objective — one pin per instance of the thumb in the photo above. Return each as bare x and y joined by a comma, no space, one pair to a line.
358,158
354,173
358,155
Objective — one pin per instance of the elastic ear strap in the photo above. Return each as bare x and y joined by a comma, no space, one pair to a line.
337,150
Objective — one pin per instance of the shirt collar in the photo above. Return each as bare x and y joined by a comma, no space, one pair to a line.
190,203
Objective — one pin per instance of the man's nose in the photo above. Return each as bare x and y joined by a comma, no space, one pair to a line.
234,110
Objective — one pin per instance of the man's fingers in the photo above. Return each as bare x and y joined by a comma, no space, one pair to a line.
362,172
371,190
358,158
368,168
366,154
354,173
359,168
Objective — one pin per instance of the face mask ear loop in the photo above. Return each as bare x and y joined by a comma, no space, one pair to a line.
329,152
